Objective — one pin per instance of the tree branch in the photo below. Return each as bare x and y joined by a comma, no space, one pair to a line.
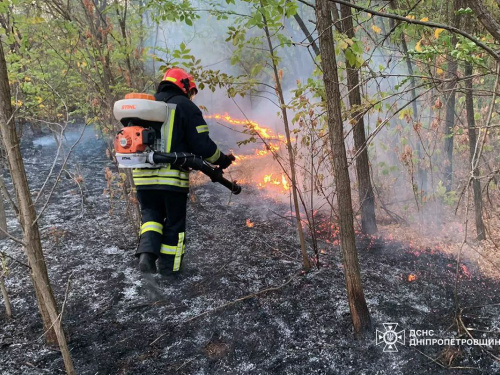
417,22
4,254
307,34
15,239
307,3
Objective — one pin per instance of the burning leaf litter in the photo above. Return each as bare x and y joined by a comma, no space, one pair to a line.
412,277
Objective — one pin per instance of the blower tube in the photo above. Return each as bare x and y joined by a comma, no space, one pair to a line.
187,160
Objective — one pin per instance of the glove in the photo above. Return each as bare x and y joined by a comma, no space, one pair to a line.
225,160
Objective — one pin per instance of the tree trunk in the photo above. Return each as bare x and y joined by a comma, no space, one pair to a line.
27,216
357,303
6,299
486,17
450,105
421,183
3,217
476,184
366,196
279,90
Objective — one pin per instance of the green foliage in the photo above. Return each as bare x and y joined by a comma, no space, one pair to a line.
173,11
63,68
467,50
78,67
447,197
386,169
352,49
248,38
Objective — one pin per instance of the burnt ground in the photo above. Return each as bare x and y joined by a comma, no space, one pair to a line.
121,322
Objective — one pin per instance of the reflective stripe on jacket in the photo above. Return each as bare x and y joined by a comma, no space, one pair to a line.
186,131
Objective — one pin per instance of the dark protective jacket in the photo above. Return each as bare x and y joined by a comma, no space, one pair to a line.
187,133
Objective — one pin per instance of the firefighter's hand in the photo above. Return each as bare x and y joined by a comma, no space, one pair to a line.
226,160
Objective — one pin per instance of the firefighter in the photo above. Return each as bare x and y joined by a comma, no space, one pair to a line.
162,192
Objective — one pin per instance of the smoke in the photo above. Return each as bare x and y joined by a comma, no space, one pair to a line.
405,153
388,83
206,40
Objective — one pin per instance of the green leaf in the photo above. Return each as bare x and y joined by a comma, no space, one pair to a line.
463,11
351,57
256,69
357,48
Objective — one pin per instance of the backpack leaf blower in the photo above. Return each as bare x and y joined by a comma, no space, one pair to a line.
137,145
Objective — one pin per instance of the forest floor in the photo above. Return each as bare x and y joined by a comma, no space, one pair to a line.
217,317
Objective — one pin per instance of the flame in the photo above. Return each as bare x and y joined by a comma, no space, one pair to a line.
412,277
284,182
238,158
262,131
249,223
271,146
269,180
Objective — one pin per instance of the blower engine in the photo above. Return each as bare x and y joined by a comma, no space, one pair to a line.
137,144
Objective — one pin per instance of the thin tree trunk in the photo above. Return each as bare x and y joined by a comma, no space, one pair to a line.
421,173
357,303
3,217
6,299
27,215
279,90
450,107
366,196
476,184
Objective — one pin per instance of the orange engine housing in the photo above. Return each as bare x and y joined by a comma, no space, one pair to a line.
132,139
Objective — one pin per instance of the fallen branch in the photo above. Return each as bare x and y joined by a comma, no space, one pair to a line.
186,363
445,366
480,306
432,359
466,330
271,289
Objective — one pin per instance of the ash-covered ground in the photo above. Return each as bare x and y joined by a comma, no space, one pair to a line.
121,322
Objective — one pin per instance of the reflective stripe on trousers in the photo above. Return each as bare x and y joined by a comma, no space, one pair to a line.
177,251
151,226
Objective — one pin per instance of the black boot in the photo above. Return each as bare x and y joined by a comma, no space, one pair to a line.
147,263
166,265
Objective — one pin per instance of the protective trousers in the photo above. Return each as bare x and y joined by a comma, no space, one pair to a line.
163,226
